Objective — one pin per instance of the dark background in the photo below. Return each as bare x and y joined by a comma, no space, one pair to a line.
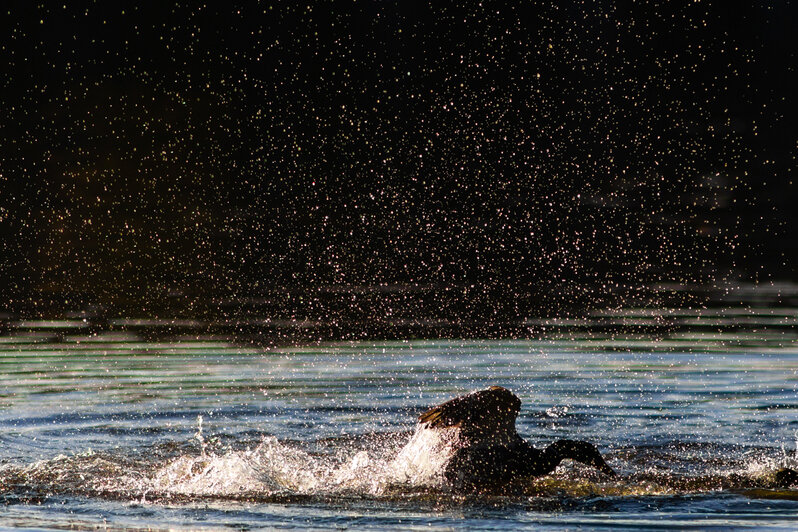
375,159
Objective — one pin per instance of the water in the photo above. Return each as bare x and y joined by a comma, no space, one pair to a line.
107,429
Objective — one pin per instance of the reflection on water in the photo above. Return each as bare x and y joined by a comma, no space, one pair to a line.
140,429
760,317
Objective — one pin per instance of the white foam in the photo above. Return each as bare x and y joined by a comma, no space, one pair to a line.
422,460
274,467
269,468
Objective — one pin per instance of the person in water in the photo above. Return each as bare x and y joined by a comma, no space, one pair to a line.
490,455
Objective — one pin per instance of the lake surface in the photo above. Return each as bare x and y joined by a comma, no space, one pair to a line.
107,429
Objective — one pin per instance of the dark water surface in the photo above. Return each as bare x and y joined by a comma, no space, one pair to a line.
110,430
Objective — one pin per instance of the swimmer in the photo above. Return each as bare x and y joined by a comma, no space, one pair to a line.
490,455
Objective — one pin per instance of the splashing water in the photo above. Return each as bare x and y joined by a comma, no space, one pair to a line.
421,462
274,467
284,428
268,468
382,468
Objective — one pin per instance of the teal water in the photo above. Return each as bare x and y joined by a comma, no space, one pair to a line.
111,430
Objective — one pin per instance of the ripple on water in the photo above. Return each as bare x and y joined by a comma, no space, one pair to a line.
116,420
